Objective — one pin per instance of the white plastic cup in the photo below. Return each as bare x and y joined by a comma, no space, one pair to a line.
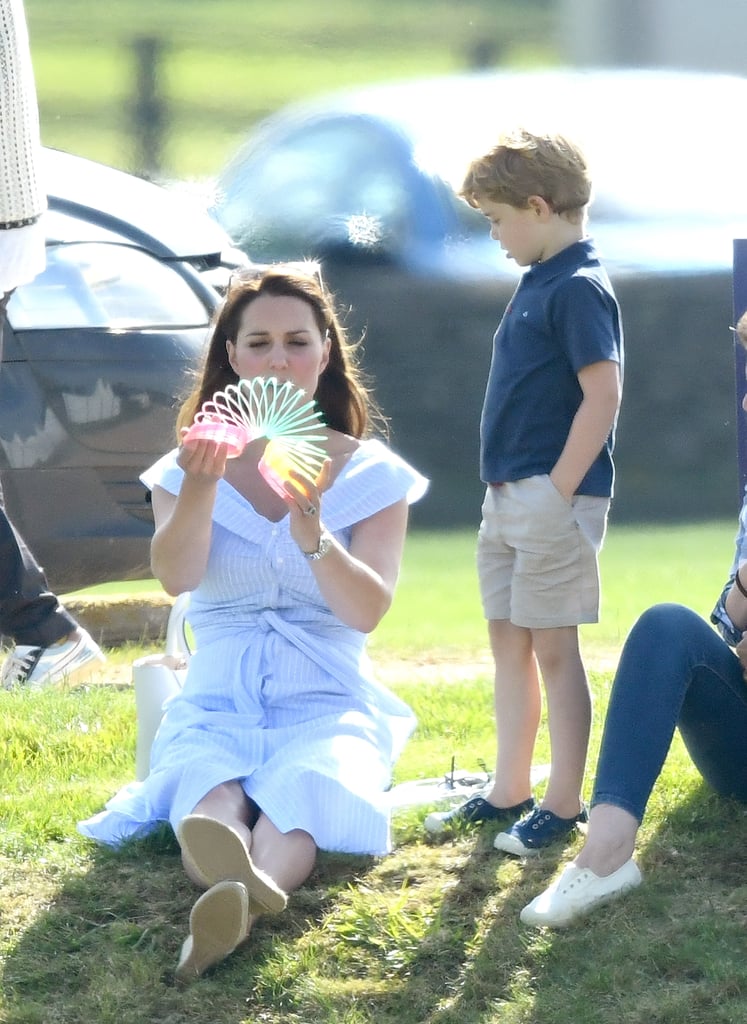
156,679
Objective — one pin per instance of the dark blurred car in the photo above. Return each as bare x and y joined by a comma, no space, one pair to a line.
365,180
96,355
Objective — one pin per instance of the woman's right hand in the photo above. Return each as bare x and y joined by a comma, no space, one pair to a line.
203,459
181,541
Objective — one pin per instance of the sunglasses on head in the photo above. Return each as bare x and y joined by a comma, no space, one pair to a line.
299,268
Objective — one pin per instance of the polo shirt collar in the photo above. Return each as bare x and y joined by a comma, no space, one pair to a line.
570,258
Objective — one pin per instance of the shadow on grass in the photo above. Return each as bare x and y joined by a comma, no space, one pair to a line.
104,949
464,968
671,951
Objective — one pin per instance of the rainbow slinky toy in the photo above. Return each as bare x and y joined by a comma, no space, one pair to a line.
264,407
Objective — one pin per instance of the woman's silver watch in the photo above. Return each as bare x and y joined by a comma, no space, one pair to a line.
325,543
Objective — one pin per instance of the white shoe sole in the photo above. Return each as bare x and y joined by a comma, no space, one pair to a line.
218,923
507,843
217,852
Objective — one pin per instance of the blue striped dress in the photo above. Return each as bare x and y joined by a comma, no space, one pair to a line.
279,693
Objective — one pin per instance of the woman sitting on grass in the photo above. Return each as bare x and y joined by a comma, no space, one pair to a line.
674,671
280,742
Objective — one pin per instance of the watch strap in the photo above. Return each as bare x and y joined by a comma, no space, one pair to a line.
325,543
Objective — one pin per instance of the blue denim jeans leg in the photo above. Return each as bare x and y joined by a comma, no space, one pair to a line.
675,671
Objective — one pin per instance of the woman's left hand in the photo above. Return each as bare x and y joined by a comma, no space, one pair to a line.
304,498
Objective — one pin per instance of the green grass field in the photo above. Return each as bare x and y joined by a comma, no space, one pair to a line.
437,616
228,63
428,934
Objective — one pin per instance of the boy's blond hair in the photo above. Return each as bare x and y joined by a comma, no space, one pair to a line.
523,164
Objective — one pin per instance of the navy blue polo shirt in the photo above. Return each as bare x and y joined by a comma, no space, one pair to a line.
562,317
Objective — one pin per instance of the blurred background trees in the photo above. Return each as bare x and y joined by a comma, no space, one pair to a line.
169,87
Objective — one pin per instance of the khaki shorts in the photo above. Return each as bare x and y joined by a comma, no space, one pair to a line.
537,555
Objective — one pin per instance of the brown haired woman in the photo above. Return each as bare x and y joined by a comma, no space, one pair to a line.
281,742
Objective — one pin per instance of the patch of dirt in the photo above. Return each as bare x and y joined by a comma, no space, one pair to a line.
446,670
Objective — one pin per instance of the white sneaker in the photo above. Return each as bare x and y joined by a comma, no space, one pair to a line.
37,667
576,892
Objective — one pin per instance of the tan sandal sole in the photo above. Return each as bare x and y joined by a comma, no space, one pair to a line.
218,922
217,852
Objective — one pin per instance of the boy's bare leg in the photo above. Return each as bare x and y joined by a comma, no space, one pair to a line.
568,715
517,711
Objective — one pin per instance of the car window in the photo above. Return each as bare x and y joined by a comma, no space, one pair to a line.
91,284
344,180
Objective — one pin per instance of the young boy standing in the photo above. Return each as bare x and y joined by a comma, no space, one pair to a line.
546,433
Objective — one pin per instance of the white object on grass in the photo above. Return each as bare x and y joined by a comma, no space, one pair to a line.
451,788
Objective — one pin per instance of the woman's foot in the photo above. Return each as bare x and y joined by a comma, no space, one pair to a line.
215,852
576,893
218,923
610,840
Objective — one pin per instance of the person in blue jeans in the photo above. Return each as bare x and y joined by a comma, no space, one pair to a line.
675,672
